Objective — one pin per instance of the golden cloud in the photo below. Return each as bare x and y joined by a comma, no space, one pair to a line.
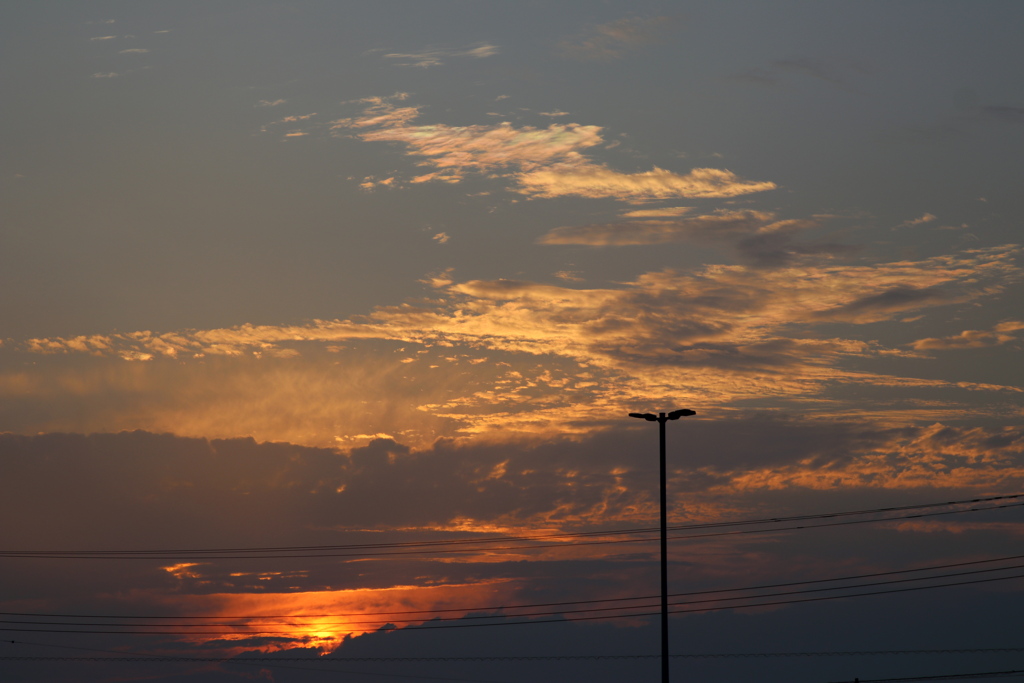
545,162
721,225
973,339
505,356
665,212
488,148
596,181
937,456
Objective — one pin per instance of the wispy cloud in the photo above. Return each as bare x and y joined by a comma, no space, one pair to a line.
598,181
380,111
543,162
875,306
777,70
658,213
438,55
720,225
850,293
920,220
1002,333
604,42
757,236
292,126
721,336
373,182
482,149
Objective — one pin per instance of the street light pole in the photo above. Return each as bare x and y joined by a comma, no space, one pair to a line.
661,419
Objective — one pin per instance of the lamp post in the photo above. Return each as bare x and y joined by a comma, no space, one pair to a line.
661,419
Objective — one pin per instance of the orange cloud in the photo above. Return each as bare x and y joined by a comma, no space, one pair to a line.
666,212
922,219
938,456
545,162
557,357
595,181
488,148
973,339
317,619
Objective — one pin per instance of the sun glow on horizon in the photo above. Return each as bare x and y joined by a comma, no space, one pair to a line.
324,619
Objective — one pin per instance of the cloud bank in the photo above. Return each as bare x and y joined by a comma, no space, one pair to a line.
518,357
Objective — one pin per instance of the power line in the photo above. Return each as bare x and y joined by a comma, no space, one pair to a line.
262,662
541,614
944,677
491,608
439,547
140,656
462,620
502,539
509,658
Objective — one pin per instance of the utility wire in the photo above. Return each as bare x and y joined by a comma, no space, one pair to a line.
262,662
944,677
437,549
492,608
294,621
238,553
142,656
508,658
462,621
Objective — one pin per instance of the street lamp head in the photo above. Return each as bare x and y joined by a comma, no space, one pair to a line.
683,412
645,416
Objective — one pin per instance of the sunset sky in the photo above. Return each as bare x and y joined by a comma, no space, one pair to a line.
321,315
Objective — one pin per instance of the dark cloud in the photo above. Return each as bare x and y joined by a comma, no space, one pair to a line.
755,236
610,41
721,226
898,298
778,250
928,620
140,490
779,357
823,70
150,490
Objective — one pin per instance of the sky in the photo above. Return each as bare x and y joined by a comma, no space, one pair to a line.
320,324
